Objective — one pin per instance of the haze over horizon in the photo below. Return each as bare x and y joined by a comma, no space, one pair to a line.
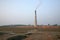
22,12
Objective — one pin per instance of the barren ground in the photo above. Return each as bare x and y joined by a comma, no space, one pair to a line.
44,33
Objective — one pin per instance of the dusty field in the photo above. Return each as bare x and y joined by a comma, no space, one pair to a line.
45,33
44,36
33,36
40,36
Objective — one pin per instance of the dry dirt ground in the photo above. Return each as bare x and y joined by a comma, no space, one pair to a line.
37,36
45,33
40,36
43,36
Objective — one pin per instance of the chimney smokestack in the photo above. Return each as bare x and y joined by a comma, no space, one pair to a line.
35,20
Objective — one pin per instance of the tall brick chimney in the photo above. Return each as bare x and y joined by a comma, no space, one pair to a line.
35,24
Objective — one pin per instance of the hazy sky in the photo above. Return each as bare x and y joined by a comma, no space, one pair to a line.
22,11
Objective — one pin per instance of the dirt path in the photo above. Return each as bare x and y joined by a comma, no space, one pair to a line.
40,36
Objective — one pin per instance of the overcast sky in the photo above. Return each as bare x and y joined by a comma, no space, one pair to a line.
22,12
